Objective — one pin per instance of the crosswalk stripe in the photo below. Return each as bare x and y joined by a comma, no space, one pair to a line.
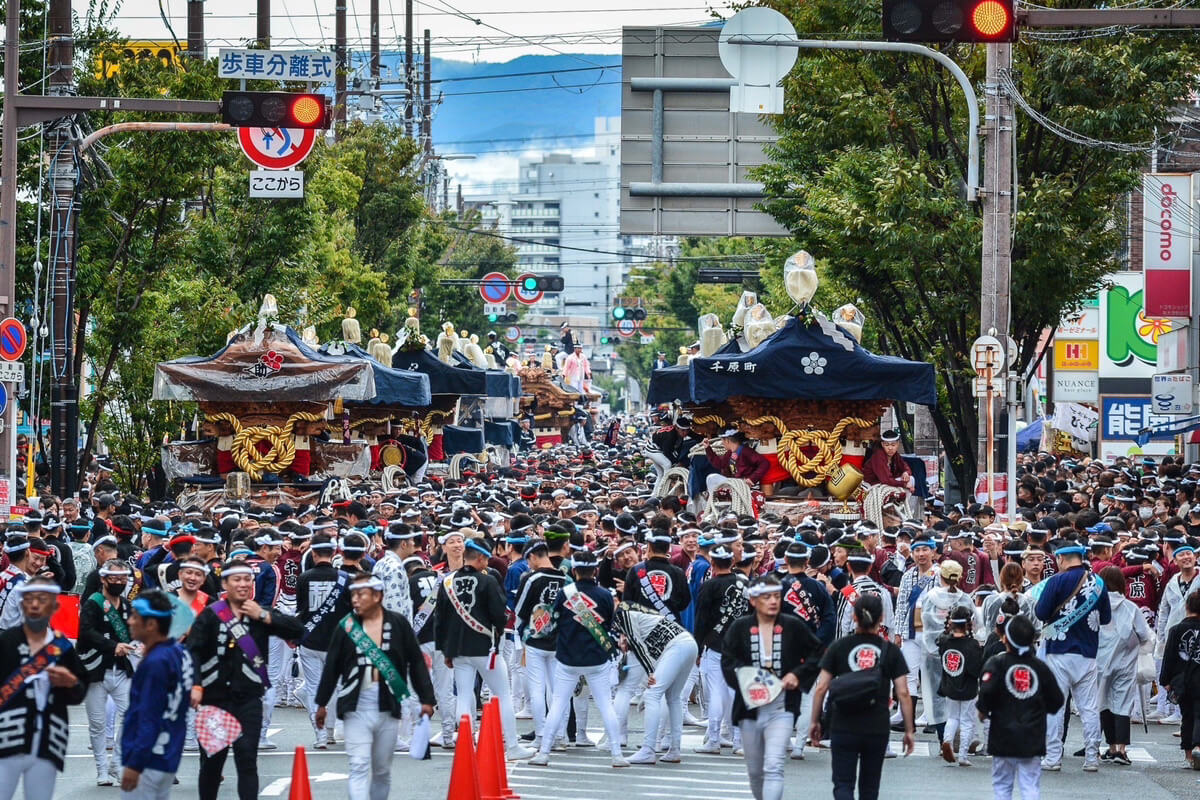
1141,755
659,776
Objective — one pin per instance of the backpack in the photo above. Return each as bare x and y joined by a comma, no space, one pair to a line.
857,692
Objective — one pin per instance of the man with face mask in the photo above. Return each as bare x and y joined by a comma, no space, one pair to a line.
105,647
44,677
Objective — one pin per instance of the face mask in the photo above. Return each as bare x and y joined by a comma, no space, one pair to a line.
1145,512
37,624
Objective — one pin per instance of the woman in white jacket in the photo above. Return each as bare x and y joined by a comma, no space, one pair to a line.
936,605
1116,665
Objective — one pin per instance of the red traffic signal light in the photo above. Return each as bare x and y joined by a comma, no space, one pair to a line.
274,110
978,21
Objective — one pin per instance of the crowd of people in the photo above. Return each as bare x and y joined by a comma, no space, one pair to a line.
561,583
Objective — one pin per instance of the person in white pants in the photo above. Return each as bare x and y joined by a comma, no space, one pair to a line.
665,649
583,650
375,656
534,610
106,650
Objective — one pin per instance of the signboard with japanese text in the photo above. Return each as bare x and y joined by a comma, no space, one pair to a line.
1077,355
108,60
1076,387
1172,393
1083,324
1168,238
1129,338
275,65
272,183
1121,418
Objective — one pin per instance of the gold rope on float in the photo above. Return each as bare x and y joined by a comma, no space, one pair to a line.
283,446
810,472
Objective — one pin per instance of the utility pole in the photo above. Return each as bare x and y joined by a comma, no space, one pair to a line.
427,105
64,216
409,78
374,43
341,67
195,29
264,24
8,233
995,313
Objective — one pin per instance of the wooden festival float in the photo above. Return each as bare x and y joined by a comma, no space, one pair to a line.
807,395
553,408
279,418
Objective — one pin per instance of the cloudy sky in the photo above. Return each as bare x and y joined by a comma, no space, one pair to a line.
462,29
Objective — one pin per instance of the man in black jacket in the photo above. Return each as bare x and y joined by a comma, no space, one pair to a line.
470,615
781,646
229,645
720,601
376,657
1018,691
34,718
537,628
321,600
656,582
104,648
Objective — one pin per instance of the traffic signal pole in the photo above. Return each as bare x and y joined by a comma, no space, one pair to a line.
995,308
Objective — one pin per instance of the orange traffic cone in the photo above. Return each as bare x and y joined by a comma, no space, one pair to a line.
489,770
464,777
505,791
301,788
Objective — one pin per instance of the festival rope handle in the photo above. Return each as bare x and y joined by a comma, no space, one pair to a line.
815,470
283,447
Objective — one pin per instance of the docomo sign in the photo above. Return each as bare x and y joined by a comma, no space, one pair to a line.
1167,243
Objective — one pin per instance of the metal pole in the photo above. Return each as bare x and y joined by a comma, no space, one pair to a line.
996,200
8,235
64,216
991,374
341,68
1014,402
374,41
409,76
264,23
427,92
195,29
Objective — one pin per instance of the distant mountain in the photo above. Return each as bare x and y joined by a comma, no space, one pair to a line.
552,107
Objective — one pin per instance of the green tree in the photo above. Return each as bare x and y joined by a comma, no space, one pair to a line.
866,177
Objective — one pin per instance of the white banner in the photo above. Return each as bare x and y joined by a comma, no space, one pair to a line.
1076,387
275,65
1079,421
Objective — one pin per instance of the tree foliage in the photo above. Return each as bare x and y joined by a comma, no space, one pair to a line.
867,169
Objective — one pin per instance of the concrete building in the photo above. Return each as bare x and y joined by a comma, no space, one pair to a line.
565,211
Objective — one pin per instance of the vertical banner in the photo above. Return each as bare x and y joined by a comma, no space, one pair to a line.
1167,242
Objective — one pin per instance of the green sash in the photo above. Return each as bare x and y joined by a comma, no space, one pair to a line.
113,615
366,645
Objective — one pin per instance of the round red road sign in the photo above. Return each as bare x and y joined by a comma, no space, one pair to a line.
495,287
12,339
277,148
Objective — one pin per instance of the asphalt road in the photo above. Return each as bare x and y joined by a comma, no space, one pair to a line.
585,774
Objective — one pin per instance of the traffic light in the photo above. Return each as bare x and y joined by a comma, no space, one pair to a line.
949,21
605,340
542,283
274,110
636,313
619,312
507,316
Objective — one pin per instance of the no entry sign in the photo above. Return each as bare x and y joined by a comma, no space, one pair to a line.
12,339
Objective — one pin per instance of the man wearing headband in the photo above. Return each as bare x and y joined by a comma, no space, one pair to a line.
537,628
768,659
886,466
155,727
1073,605
30,556
322,598
375,659
720,601
229,643
470,618
1018,692
191,595
739,461
656,582
422,588
268,589
105,645
584,649
42,676
860,562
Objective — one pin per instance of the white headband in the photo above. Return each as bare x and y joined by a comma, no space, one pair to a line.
372,583
29,587
16,548
195,566
763,588
122,570
236,571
